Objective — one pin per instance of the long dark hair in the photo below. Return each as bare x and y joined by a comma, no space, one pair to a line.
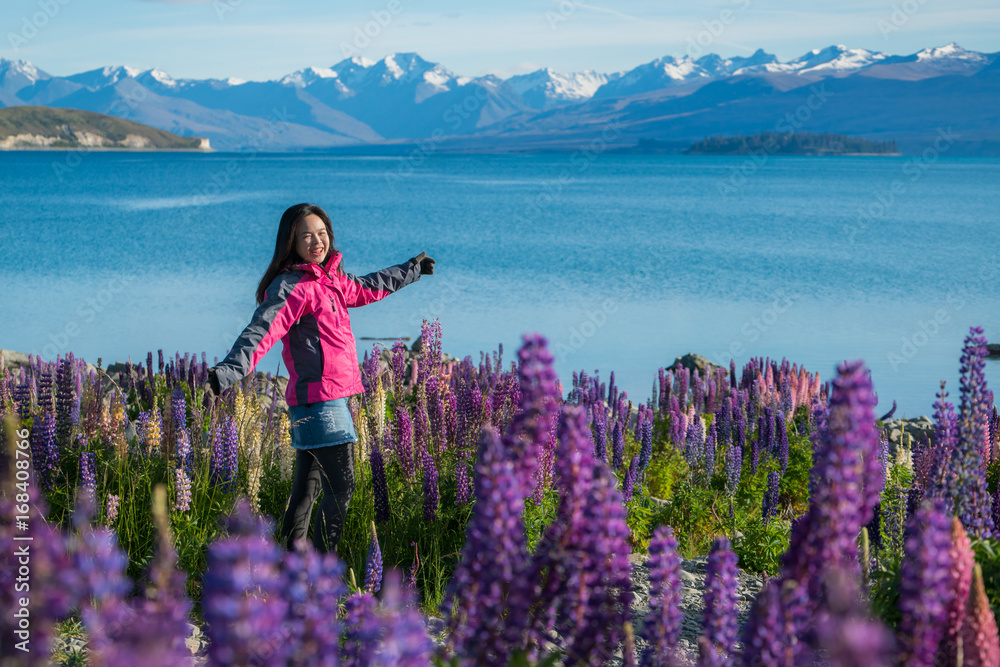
284,244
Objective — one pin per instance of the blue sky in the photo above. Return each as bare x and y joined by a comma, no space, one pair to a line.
265,39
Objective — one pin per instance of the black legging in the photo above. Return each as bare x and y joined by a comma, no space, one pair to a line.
332,470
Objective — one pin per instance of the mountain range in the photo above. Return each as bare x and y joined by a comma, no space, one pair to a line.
403,100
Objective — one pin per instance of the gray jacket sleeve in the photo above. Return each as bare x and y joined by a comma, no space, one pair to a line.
362,290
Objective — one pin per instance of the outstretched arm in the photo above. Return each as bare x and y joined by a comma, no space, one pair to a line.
285,301
362,290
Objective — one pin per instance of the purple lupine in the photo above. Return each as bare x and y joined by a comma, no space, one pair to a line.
178,414
224,453
463,486
362,631
312,584
709,451
182,490
617,446
770,435
405,642
88,473
243,628
430,483
495,551
924,585
404,442
44,450
373,566
841,484
646,444
719,618
435,414
600,431
694,444
734,466
769,637
662,628
972,502
755,453
64,401
579,581
769,505
628,485
782,438
380,489
111,511
538,395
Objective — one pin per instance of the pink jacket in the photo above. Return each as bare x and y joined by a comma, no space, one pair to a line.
306,307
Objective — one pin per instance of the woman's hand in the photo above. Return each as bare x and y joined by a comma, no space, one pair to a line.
426,263
212,389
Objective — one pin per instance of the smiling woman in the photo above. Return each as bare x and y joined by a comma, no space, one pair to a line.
303,300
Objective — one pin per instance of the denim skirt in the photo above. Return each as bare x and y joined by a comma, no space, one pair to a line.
321,424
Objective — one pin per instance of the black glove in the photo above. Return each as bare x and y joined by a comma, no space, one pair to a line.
212,389
426,263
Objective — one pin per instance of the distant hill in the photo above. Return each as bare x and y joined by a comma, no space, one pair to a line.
792,143
32,127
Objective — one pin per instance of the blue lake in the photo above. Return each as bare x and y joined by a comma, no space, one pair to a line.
623,262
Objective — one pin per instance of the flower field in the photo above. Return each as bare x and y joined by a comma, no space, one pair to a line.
505,509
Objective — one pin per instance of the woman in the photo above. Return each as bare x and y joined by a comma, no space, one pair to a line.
303,300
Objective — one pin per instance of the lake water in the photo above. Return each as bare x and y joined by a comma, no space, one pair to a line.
622,262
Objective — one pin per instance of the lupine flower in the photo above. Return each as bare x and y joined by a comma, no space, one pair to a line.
494,552
405,642
782,437
182,490
694,444
628,486
224,453
770,635
538,395
463,486
709,451
65,396
404,442
373,565
243,606
600,431
44,450
111,512
719,619
662,628
398,367
88,473
960,580
925,588
827,536
411,574
585,593
972,502
980,643
362,631
430,486
380,488
617,446
769,505
646,444
734,466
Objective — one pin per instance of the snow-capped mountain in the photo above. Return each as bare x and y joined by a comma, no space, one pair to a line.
546,88
404,97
